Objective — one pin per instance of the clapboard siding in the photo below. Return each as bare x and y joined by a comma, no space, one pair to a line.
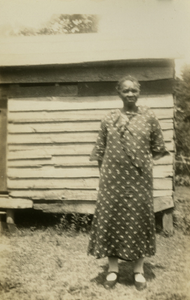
72,183
50,140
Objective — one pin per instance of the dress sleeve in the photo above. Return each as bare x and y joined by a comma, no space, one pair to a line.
100,146
157,143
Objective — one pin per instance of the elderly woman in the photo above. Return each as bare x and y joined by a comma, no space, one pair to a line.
123,226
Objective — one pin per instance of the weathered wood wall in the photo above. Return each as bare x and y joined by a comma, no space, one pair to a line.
50,141
52,128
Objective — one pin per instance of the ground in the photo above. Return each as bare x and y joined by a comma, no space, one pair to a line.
51,264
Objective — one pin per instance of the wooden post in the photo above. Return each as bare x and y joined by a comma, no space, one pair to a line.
2,213
167,221
10,221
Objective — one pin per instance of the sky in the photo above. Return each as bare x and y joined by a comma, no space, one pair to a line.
167,20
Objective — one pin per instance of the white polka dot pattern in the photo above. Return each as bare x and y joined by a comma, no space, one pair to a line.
123,223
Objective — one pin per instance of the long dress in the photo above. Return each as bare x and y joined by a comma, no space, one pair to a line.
123,224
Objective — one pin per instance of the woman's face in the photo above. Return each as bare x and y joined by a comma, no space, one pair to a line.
129,93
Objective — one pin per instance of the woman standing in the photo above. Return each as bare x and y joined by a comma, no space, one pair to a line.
123,225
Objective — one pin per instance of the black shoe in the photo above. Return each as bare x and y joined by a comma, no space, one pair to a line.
139,285
109,284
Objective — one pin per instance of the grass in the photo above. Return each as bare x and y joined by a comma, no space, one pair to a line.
52,264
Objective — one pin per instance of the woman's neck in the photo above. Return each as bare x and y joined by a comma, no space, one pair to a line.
131,109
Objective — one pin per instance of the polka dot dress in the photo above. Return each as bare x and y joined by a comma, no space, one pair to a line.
123,224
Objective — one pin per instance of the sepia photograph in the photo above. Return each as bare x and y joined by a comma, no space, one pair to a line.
94,149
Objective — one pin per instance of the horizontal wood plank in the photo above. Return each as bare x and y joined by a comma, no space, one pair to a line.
29,154
166,160
84,74
44,92
88,207
82,207
46,151
160,171
85,89
58,116
52,138
153,87
73,183
73,116
57,138
56,127
54,183
32,151
55,194
162,193
50,172
163,184
69,194
81,172
167,124
58,161
170,146
67,127
80,103
162,203
15,203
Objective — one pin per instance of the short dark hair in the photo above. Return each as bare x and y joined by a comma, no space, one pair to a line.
127,78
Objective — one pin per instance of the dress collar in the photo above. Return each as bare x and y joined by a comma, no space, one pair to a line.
139,111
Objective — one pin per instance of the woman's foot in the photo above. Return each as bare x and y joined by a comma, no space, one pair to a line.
111,280
139,281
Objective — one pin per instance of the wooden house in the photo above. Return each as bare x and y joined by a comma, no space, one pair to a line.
51,103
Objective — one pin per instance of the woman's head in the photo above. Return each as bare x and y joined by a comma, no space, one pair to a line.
128,89
128,78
